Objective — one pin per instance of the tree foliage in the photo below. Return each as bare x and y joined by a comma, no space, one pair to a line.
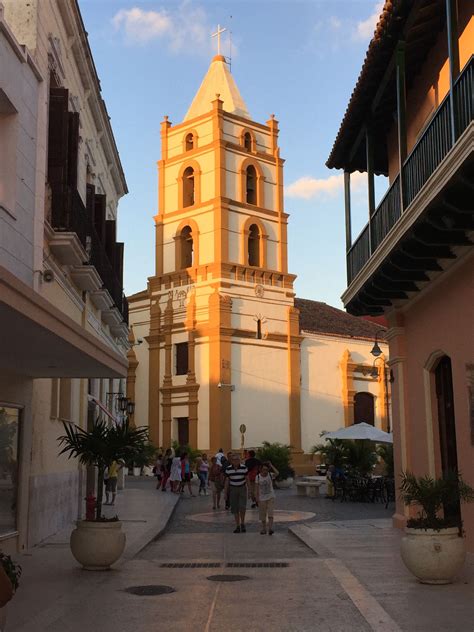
279,455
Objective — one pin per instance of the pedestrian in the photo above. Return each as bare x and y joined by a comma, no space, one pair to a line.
111,482
266,496
225,462
175,473
186,474
216,482
202,468
219,455
330,482
253,465
166,468
157,469
236,485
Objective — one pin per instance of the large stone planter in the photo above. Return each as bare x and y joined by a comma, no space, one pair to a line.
3,618
434,557
97,545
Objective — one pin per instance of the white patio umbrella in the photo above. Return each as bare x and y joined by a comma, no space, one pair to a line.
360,432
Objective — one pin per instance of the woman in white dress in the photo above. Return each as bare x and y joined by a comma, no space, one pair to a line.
175,474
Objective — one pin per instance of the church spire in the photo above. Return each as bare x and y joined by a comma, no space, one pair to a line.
218,80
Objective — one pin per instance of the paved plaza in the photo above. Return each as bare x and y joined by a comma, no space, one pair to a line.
330,566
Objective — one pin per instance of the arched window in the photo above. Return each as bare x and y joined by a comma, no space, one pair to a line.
189,141
248,141
364,409
259,329
251,185
186,248
188,187
254,245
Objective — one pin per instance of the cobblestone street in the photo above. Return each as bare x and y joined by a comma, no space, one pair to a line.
330,566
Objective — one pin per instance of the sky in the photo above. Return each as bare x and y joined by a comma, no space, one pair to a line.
298,59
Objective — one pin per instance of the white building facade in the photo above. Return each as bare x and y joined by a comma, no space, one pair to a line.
63,316
223,343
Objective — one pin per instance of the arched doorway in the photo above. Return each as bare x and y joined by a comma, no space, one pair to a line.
364,409
447,425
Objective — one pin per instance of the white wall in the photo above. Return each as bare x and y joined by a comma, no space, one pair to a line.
321,383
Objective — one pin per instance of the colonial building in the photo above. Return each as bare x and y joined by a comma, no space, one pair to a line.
63,316
410,117
223,341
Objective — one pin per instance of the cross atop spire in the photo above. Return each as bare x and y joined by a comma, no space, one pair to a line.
218,35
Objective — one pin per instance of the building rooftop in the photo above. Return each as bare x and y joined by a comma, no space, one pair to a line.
217,82
320,318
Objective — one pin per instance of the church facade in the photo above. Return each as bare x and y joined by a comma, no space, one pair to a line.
223,339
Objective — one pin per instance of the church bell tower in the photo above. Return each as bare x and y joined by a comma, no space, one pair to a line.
223,337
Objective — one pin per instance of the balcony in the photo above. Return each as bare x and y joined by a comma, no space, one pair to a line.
74,236
69,220
110,280
432,224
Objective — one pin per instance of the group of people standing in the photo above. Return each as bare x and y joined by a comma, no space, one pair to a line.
229,478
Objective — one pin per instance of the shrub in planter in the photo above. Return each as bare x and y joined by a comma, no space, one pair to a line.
98,543
280,456
9,578
433,548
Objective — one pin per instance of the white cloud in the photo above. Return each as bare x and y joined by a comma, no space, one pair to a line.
309,188
142,26
184,28
335,23
365,29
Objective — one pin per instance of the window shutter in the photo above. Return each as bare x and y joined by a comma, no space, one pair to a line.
110,239
119,262
100,205
73,149
58,137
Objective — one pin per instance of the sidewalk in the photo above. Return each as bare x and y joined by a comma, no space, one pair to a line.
52,580
363,555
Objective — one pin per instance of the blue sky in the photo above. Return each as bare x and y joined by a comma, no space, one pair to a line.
297,59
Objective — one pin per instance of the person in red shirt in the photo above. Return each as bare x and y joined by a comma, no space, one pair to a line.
253,465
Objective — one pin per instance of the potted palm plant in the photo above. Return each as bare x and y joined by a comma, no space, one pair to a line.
98,543
433,548
9,580
279,455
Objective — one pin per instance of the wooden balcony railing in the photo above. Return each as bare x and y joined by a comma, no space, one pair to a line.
68,213
428,153
99,259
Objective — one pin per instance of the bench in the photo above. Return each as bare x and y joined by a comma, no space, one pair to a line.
308,488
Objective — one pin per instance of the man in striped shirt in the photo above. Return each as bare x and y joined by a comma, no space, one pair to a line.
236,486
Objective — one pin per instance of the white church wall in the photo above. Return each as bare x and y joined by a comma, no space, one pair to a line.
260,399
321,383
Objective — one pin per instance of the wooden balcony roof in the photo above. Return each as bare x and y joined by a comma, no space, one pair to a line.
418,23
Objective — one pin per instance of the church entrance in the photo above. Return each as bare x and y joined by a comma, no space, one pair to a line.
183,430
447,426
364,409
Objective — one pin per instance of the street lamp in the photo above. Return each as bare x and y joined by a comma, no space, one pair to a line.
122,403
376,350
130,407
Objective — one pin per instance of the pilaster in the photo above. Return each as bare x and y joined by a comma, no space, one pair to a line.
153,340
220,406
294,377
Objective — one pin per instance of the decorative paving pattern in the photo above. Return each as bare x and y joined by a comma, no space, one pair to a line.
225,517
